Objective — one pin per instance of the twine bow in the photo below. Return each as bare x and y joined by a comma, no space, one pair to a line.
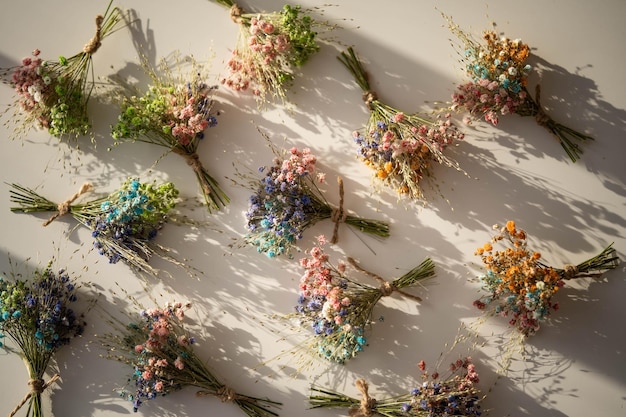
193,160
65,207
369,97
338,215
94,43
37,386
386,288
368,404
225,394
235,13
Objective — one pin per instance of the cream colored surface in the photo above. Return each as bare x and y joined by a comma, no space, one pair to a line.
575,366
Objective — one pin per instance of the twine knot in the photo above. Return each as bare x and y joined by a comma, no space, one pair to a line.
226,394
37,386
94,43
368,97
541,117
193,160
66,206
235,13
367,405
570,271
338,215
386,288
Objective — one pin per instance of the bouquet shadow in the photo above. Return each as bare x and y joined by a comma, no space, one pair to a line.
585,304
533,373
576,101
525,194
506,390
224,350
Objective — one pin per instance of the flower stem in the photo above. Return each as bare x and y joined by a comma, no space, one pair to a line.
354,65
604,261
423,271
370,226
214,197
564,134
226,3
389,407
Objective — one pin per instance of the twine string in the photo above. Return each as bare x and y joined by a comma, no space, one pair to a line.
37,386
94,43
66,206
386,288
541,117
193,160
571,271
225,394
369,97
338,215
235,14
367,405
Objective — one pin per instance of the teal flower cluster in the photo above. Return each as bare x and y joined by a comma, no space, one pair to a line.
130,218
124,224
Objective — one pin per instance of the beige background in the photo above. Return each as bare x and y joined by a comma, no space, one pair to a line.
575,366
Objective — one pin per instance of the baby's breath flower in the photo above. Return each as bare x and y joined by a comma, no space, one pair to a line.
173,113
399,147
287,201
520,287
54,95
502,61
338,309
269,49
454,395
36,315
159,350
124,224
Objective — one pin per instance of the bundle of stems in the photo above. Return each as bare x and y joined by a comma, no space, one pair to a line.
399,146
338,309
287,201
520,286
159,350
55,94
124,224
37,316
172,113
453,395
269,49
